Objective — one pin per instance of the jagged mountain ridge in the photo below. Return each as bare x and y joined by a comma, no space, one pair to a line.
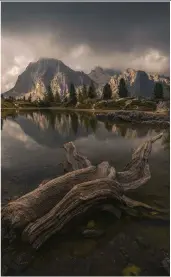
39,75
102,76
140,83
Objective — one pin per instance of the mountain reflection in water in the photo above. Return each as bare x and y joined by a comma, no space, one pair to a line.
39,125
32,145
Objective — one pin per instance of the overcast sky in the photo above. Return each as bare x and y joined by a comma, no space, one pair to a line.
84,35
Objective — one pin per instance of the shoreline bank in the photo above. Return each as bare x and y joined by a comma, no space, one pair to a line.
136,117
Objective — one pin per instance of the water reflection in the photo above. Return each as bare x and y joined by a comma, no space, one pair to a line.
52,127
166,140
108,126
32,146
2,122
74,123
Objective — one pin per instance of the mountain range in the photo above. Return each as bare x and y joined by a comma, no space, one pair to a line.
38,75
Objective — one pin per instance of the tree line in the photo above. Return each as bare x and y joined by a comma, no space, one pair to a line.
123,91
89,92
85,93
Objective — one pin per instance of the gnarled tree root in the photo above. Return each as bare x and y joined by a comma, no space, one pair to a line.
46,210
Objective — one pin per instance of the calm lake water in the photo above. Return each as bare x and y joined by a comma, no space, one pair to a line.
32,151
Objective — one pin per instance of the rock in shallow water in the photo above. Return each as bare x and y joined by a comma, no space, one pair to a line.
91,224
113,210
166,264
90,233
141,242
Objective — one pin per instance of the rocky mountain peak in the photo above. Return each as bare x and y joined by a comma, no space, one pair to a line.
139,83
98,69
130,70
43,72
102,75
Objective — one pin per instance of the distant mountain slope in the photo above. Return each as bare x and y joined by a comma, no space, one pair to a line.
38,76
102,76
140,83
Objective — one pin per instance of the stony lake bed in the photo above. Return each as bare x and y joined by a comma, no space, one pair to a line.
32,151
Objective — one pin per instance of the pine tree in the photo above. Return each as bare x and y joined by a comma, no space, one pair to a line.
123,92
107,92
93,123
74,122
84,92
30,98
108,126
11,99
50,96
92,91
72,92
158,91
80,96
57,98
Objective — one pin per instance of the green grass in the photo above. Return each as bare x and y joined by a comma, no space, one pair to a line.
7,104
120,104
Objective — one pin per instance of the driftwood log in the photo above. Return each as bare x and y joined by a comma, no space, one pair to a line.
46,210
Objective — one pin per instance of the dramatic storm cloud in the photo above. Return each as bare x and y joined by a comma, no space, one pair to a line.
84,35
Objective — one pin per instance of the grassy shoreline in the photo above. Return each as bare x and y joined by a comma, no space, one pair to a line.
78,109
90,106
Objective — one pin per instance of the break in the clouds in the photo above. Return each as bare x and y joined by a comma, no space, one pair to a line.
84,35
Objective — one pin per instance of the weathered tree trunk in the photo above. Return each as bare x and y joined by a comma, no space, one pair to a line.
45,211
77,201
38,202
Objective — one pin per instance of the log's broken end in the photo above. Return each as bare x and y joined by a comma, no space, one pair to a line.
153,139
69,146
74,159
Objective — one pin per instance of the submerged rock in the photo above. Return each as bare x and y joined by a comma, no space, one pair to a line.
91,233
141,242
91,224
113,210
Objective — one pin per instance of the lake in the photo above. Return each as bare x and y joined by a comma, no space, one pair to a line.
32,150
